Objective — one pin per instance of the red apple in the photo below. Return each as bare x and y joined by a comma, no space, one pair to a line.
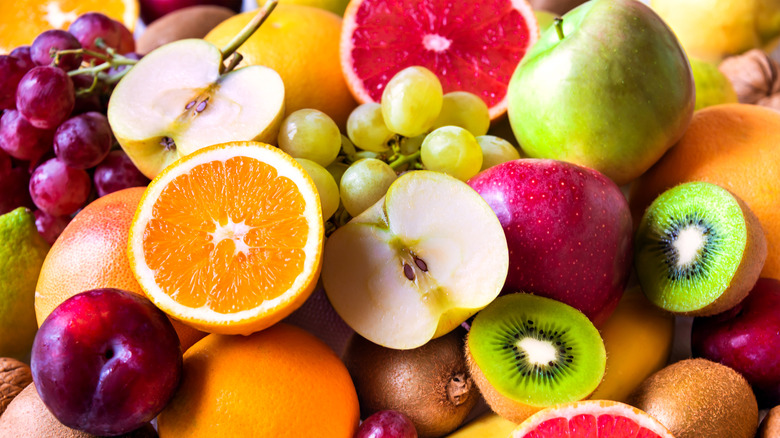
568,229
106,361
747,339
154,9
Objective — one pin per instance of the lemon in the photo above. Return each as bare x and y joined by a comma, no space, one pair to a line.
712,86
22,251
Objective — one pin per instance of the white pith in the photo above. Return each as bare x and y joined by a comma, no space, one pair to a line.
235,231
688,244
285,167
538,352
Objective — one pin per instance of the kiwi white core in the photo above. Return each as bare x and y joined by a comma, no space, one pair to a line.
688,244
538,352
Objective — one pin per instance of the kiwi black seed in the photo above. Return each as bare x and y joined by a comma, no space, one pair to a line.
527,352
699,250
430,384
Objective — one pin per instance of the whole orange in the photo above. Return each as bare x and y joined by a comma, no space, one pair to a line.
91,253
736,146
302,44
279,382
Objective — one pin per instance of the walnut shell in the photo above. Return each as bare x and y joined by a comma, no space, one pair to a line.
14,377
753,74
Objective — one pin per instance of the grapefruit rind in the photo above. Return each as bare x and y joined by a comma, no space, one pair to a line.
270,311
591,407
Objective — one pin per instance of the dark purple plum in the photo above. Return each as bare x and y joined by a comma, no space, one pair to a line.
106,361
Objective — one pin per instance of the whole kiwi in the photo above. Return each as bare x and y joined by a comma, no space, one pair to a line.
190,22
770,427
697,398
430,384
27,417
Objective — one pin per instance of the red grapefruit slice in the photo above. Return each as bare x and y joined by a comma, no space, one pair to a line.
591,419
471,45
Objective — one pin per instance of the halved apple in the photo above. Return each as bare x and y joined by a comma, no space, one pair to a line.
176,100
418,263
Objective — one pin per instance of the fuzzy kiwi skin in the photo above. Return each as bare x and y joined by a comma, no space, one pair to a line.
429,384
190,22
697,398
770,427
27,417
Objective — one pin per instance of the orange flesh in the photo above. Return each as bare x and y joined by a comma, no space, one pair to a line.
229,235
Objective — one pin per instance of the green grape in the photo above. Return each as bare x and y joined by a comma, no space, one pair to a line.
337,169
496,150
366,128
364,183
347,147
312,135
326,186
452,150
411,145
411,101
464,109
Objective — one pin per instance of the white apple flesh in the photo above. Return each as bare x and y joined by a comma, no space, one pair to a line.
418,263
175,100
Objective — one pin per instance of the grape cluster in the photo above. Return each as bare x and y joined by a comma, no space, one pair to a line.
414,126
55,140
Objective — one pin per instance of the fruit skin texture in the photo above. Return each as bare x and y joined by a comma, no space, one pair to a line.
698,398
22,252
91,253
429,384
568,229
714,29
747,339
283,383
770,426
151,10
638,338
712,86
735,146
28,417
106,361
302,44
190,22
613,95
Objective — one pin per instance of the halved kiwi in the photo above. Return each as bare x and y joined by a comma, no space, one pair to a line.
699,250
527,352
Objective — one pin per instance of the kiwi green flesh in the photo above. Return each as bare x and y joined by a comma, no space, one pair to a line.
537,351
689,246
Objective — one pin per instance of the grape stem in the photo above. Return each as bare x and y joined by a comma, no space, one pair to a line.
404,159
113,61
249,29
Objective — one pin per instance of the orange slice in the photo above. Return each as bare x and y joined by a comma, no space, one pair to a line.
22,20
229,239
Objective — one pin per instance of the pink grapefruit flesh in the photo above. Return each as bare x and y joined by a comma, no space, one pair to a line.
591,419
471,46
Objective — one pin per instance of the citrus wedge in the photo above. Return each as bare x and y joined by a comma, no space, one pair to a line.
229,239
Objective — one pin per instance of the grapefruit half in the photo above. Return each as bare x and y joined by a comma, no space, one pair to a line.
471,46
591,419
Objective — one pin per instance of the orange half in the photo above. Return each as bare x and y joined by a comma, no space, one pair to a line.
229,239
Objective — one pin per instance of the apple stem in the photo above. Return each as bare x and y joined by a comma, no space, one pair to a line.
559,27
234,61
249,29
403,159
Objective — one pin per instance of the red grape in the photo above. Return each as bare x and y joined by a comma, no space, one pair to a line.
14,192
5,162
58,189
23,53
126,41
90,26
86,102
83,141
387,424
117,172
45,97
46,43
12,70
22,140
50,227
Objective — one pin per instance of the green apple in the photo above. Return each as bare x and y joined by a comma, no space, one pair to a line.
408,270
609,87
712,86
544,19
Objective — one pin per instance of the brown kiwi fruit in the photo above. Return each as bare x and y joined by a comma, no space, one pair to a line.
770,426
697,398
429,384
191,22
27,417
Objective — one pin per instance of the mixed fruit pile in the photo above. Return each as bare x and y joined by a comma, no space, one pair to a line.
379,219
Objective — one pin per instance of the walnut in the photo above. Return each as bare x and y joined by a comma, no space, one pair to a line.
753,74
14,377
